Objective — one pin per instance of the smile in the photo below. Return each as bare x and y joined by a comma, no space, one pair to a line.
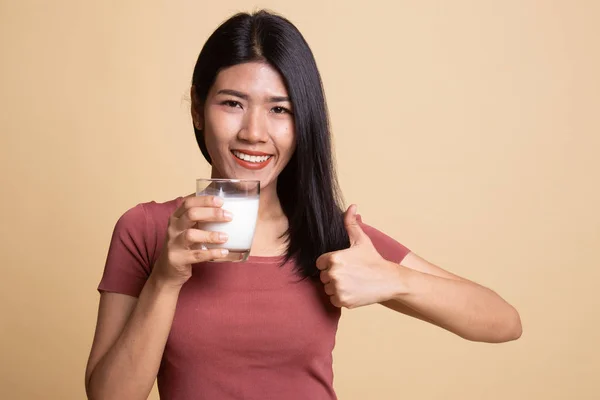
251,161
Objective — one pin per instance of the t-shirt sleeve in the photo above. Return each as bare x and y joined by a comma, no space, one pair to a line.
388,247
128,263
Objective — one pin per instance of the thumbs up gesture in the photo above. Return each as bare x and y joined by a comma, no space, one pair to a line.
357,276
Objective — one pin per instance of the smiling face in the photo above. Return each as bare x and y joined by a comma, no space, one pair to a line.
248,123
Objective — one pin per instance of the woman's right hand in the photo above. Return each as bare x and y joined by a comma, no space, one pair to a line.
174,265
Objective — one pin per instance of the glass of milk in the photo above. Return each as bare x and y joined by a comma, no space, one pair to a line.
240,197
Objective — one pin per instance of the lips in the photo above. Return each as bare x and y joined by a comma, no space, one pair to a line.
253,160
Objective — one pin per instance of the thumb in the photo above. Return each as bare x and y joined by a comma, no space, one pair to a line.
355,232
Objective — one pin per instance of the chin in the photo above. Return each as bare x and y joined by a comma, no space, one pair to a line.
258,169
264,177
265,181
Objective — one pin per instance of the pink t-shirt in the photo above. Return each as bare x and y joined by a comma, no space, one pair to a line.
251,330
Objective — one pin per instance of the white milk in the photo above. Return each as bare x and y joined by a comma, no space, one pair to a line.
241,228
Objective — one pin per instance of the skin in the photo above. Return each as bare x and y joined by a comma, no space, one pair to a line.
131,333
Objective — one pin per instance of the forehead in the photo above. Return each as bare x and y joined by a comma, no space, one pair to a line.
253,78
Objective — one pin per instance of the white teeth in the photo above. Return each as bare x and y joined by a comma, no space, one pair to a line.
249,158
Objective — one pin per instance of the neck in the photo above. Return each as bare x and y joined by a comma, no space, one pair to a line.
269,205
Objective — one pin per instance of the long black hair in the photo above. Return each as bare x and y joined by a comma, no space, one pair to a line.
307,187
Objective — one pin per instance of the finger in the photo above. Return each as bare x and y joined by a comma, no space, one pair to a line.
355,232
201,214
323,261
190,237
335,300
325,276
329,289
197,201
198,256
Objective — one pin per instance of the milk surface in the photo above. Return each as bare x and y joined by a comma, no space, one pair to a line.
242,226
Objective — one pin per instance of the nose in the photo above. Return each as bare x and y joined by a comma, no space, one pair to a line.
254,128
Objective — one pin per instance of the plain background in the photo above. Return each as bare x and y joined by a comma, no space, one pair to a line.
467,130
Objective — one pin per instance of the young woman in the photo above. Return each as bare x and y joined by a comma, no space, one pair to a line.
265,328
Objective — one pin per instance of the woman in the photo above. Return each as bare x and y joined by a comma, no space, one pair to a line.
263,329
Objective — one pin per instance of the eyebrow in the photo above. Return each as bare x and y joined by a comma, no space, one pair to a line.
272,99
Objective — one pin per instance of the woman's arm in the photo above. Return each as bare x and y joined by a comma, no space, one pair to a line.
129,342
465,308
360,275
131,333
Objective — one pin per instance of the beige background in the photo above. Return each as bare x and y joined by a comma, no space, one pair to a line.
468,130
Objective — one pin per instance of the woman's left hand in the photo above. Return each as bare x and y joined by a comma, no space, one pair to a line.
359,275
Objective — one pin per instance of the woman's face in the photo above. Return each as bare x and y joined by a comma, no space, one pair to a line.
248,123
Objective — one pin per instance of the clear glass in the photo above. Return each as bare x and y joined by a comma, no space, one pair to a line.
240,197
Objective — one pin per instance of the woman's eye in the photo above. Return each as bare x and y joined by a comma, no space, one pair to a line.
281,110
232,103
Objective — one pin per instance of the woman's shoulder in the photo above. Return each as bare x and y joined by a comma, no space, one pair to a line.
161,209
136,242
389,248
152,209
147,216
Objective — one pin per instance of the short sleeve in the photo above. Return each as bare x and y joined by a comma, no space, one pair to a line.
388,247
128,263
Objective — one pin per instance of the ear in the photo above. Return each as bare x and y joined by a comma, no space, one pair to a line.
197,110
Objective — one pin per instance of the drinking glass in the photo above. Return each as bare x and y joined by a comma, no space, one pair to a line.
240,197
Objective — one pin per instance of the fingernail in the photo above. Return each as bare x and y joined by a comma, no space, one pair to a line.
218,201
227,214
223,236
224,252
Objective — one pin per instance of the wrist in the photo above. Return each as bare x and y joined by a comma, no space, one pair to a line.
161,286
399,281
